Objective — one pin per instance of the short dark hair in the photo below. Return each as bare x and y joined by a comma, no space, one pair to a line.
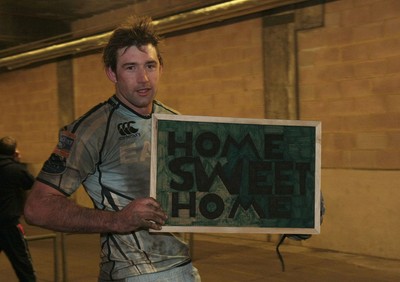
136,31
8,145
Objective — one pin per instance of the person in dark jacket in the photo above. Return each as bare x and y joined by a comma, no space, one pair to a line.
14,181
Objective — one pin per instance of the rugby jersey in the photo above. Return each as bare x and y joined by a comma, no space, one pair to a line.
107,150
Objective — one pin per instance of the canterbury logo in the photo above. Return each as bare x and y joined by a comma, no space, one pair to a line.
127,128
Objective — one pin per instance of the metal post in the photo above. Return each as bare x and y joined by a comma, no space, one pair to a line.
64,257
55,253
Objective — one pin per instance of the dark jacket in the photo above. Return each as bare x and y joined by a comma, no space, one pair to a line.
14,181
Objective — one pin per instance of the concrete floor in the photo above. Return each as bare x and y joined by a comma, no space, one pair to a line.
217,257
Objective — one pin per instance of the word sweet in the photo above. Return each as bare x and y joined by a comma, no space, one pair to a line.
249,173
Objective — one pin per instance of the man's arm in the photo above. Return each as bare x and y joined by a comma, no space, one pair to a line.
50,209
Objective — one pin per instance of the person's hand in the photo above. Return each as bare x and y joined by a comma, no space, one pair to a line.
144,213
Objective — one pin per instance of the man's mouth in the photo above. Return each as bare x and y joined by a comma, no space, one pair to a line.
143,91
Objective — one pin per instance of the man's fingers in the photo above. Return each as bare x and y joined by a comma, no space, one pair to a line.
152,202
157,217
145,213
156,207
153,225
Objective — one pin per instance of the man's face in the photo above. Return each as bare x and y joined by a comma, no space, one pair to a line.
136,77
17,155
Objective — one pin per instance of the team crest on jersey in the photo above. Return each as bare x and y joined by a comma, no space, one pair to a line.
55,164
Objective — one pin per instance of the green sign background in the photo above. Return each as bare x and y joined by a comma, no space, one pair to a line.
227,174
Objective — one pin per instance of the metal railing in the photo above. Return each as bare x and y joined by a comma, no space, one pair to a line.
59,241
52,236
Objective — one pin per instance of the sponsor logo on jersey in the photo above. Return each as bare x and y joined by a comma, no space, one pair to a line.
127,129
65,144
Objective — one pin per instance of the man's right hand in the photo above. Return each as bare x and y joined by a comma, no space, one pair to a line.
143,213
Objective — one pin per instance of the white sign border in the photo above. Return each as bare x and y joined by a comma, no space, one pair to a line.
224,229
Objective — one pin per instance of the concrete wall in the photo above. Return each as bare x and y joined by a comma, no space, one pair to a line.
347,75
349,78
29,111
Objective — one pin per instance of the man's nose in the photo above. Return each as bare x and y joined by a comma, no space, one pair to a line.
142,75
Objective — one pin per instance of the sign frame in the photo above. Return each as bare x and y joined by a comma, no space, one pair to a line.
155,177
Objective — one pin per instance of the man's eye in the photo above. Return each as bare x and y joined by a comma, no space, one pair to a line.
151,66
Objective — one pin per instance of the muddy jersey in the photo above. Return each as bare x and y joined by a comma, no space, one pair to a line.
107,150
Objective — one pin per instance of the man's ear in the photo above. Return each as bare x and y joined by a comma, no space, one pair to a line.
111,75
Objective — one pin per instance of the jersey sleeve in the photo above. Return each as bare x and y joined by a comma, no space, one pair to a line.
73,159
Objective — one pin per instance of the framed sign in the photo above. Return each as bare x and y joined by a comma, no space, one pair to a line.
215,174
